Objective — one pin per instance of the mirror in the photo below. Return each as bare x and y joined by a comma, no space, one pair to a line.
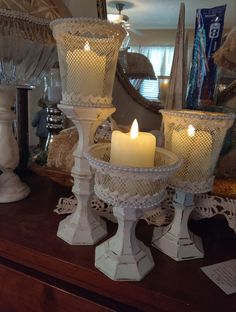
153,24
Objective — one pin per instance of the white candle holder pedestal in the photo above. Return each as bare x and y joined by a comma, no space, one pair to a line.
83,226
131,191
176,240
196,137
87,52
11,187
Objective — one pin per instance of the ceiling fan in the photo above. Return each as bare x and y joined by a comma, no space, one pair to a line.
119,18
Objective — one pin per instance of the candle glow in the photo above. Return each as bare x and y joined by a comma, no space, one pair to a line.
191,131
195,148
85,71
87,46
134,129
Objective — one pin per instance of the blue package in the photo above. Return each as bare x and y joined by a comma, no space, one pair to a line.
203,73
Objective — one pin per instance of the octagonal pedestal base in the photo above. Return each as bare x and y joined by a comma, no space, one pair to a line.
12,188
178,249
176,240
76,233
129,267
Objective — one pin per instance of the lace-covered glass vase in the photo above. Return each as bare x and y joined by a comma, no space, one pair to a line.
88,51
196,137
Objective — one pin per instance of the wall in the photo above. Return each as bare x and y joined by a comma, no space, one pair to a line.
162,37
153,37
82,8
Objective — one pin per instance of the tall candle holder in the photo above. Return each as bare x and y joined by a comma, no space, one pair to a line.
197,137
88,52
131,191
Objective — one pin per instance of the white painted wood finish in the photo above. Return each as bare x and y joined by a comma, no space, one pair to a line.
83,227
124,257
176,240
11,187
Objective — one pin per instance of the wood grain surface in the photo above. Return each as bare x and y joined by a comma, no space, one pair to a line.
30,249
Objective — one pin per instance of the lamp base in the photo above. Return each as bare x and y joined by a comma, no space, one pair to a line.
186,248
82,232
126,267
12,188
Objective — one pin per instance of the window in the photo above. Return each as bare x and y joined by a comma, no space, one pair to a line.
161,58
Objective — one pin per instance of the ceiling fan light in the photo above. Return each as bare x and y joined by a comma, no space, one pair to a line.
118,18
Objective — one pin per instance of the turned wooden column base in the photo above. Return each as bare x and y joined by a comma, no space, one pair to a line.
83,227
12,188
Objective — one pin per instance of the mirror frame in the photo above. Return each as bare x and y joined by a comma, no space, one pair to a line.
227,93
154,107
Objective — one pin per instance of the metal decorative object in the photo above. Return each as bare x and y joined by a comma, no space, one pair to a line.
55,120
131,191
88,51
197,137
55,117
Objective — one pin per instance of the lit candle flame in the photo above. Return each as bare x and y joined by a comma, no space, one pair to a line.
191,131
87,46
134,130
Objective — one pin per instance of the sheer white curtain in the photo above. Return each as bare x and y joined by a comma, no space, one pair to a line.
161,58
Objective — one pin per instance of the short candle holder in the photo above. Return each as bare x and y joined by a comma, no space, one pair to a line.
88,52
130,190
196,137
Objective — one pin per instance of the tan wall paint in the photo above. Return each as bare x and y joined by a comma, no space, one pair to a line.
152,37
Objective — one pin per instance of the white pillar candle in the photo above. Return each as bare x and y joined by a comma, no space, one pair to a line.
85,71
195,147
135,149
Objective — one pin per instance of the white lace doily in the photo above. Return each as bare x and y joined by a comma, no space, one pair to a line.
207,206
67,205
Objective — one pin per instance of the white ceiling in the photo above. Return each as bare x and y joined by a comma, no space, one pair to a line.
163,14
